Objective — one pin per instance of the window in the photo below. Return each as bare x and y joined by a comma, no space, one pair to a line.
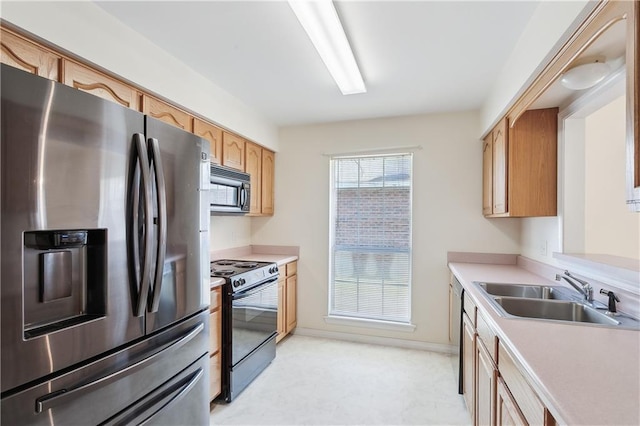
371,237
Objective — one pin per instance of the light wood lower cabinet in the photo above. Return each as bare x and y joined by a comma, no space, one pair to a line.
507,411
27,56
215,342
486,375
494,388
287,299
468,363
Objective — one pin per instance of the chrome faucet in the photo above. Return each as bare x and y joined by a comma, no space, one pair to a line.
584,288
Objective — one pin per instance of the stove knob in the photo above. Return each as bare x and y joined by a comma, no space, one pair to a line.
236,283
242,281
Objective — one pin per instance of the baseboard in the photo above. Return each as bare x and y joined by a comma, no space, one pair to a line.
376,340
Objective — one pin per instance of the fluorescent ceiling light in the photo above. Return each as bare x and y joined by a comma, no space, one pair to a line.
320,20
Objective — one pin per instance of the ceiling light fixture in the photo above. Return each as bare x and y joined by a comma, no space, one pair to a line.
585,75
320,20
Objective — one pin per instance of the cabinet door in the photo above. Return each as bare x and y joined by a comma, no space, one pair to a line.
500,168
507,411
281,317
211,133
167,113
268,177
90,81
468,364
291,293
27,56
487,175
485,387
232,151
253,166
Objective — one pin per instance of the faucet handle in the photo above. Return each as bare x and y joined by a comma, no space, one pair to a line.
612,300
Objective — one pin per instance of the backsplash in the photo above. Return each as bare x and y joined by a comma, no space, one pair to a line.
229,231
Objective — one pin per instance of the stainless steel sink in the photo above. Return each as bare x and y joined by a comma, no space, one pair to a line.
554,310
528,291
550,303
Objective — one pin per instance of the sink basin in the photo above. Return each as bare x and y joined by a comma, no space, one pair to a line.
528,291
553,310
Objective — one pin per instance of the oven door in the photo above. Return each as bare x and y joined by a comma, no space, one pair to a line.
253,318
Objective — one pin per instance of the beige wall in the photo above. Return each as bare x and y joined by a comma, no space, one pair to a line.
227,232
610,226
446,209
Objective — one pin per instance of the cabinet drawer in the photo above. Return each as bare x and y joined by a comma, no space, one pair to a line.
526,399
291,268
215,298
487,336
215,375
470,308
214,331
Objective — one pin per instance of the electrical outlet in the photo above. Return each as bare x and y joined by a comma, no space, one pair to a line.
543,248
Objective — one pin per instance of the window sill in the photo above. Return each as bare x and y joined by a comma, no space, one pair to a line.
370,323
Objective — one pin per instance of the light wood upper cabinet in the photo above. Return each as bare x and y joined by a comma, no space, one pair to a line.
85,79
499,169
253,166
233,151
167,113
268,177
211,133
20,53
487,175
524,166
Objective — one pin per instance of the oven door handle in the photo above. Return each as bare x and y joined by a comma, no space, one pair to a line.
253,290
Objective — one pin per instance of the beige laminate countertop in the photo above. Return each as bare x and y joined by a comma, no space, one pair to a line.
585,375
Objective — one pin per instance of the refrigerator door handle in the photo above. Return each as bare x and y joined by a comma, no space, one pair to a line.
156,162
62,396
143,284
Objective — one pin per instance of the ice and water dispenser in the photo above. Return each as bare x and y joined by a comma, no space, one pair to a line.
65,280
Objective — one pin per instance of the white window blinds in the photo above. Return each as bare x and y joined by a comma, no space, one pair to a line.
371,237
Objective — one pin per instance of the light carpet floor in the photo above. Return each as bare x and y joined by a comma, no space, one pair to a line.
315,381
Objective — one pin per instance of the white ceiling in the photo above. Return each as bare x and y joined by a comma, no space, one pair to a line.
415,56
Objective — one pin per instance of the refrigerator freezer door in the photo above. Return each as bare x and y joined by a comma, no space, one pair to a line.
178,275
163,380
66,159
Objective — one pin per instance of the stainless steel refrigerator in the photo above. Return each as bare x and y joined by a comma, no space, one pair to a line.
105,272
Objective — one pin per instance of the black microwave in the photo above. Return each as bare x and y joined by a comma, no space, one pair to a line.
230,191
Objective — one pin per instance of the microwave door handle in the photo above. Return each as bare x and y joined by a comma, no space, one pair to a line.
156,161
243,196
145,181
